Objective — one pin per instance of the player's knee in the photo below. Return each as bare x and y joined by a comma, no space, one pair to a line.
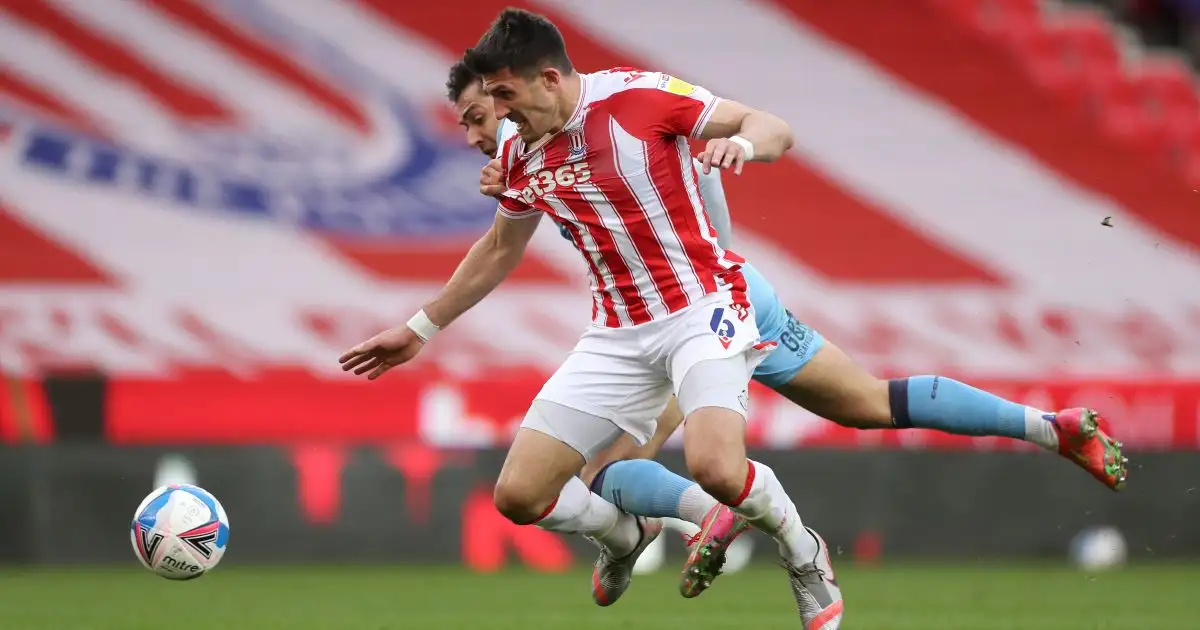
720,474
721,478
519,503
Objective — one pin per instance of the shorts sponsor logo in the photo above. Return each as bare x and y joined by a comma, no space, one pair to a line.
722,327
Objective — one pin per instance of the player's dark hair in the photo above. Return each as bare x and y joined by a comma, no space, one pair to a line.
520,41
460,79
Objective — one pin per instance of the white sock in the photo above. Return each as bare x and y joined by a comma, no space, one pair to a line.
695,504
1039,430
579,511
769,509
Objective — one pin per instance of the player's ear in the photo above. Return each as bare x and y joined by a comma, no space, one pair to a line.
551,77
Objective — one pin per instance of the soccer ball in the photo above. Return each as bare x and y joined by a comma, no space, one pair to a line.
179,532
1098,548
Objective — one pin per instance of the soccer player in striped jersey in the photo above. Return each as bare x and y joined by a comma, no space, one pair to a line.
605,154
806,369
814,373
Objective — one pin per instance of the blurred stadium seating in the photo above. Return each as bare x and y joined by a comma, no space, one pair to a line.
248,187
203,203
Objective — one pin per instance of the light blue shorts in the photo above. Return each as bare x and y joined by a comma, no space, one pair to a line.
797,341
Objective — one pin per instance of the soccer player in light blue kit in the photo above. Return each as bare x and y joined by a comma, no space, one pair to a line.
811,372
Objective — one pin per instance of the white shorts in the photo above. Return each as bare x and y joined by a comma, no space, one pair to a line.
627,375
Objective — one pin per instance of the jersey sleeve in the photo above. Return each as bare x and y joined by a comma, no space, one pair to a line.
505,130
713,194
512,204
673,107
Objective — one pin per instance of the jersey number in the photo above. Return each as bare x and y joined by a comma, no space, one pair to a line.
544,182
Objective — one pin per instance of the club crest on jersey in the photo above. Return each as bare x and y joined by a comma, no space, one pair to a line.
577,148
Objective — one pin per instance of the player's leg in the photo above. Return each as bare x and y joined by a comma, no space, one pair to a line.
537,484
711,376
818,376
833,386
626,448
626,475
603,389
552,444
714,442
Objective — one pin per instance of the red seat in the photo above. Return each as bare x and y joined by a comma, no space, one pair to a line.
1167,88
1119,112
1191,171
1118,106
1077,55
1182,138
1088,39
1187,155
989,15
1151,137
1052,55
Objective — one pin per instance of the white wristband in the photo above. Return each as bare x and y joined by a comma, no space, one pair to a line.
746,145
422,326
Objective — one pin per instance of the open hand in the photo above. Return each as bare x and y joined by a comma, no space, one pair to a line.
382,352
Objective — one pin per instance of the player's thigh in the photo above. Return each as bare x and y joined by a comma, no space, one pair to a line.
625,447
833,386
713,395
535,470
608,377
713,352
715,330
668,421
796,343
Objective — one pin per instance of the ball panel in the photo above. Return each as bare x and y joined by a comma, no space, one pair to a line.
177,562
223,535
147,512
185,511
138,547
206,498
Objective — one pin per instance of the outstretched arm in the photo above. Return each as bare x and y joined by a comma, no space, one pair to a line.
490,260
485,266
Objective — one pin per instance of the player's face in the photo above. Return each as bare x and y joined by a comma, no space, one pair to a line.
478,119
530,102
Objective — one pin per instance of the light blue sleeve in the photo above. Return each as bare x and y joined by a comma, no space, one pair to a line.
504,130
713,194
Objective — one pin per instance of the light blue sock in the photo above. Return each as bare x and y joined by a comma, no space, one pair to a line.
647,488
944,404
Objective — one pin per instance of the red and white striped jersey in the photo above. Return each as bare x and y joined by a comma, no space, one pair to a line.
619,179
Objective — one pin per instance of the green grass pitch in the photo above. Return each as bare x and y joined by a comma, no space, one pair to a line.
416,598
